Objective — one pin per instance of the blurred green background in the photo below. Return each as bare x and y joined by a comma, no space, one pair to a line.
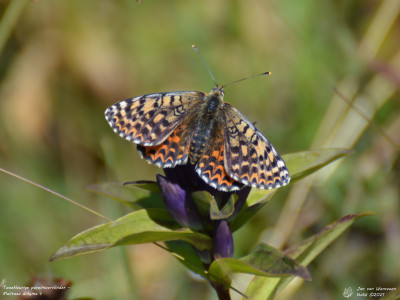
62,63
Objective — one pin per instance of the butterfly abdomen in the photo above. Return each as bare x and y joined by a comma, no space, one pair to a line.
198,143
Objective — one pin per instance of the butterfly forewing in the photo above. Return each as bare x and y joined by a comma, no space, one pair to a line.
249,156
174,150
149,119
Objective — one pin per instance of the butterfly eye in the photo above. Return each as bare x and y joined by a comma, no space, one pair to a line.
219,90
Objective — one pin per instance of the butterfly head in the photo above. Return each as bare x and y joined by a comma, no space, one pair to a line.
218,91
215,99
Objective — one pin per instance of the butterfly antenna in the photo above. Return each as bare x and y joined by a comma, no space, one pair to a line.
204,62
236,81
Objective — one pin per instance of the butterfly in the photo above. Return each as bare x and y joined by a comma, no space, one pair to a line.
191,127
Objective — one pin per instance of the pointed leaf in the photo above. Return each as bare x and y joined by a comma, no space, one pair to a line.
138,227
203,200
147,185
264,260
188,256
304,253
247,212
300,165
225,212
310,248
137,195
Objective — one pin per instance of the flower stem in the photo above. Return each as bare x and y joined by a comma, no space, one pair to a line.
222,291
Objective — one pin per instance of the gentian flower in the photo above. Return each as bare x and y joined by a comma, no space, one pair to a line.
177,187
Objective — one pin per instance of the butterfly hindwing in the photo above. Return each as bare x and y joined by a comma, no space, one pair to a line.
249,156
149,119
211,168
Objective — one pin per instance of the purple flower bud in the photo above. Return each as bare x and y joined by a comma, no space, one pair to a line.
223,240
178,185
187,178
179,204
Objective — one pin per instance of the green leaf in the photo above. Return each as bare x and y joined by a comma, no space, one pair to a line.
227,210
203,200
264,260
188,256
138,227
248,211
208,206
147,185
310,248
304,253
300,165
137,195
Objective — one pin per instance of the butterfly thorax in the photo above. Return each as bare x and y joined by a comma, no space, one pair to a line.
208,124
